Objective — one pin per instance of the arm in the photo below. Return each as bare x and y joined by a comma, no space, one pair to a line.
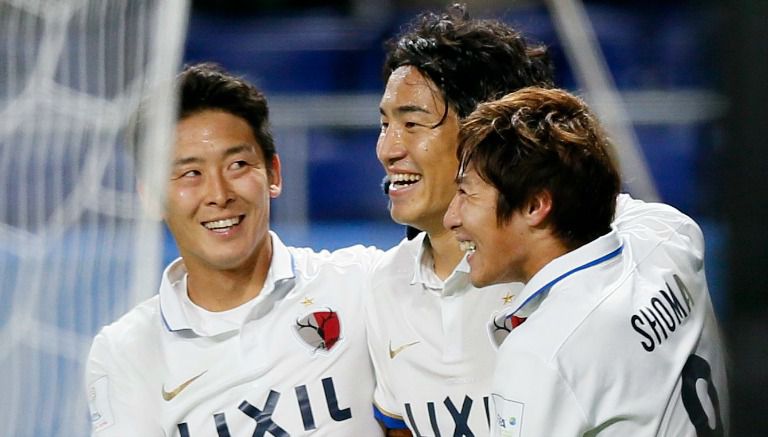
530,398
115,396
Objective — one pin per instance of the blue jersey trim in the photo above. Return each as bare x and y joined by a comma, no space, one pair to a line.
549,285
388,421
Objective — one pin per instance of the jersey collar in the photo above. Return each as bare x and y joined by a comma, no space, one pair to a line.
280,277
424,270
591,254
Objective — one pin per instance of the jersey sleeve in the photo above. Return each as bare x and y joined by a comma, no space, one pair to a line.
530,398
658,221
116,401
386,408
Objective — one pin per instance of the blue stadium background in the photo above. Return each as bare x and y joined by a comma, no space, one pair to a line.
658,54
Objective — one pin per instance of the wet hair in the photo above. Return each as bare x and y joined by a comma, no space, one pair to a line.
536,140
208,87
469,60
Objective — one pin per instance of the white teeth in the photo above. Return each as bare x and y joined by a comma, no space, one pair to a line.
401,179
467,246
404,177
221,224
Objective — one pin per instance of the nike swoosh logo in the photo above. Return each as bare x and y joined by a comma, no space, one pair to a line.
393,352
168,395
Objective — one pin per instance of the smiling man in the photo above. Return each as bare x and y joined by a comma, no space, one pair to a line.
614,332
246,336
426,323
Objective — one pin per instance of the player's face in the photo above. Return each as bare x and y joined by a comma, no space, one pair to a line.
419,158
219,192
496,253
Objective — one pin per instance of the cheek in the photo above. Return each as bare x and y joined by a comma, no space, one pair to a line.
379,145
179,198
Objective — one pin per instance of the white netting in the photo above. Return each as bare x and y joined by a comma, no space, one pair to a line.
75,248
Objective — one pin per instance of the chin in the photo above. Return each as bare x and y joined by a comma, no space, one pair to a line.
400,217
477,282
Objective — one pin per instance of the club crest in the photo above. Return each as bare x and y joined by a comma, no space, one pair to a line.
501,325
321,330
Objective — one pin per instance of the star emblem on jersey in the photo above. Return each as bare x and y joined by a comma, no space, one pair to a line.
507,298
307,301
169,395
321,330
393,352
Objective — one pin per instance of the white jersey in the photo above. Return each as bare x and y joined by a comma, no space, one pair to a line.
297,364
619,338
429,343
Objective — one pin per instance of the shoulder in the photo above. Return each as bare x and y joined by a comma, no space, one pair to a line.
400,258
130,331
308,261
657,223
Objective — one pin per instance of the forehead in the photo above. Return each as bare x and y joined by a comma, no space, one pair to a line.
408,86
212,129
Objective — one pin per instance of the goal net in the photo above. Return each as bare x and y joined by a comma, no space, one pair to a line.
76,248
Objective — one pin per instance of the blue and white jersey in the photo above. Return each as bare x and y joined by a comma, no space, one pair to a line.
291,362
619,338
429,343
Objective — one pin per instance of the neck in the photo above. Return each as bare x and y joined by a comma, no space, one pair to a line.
545,250
445,252
224,289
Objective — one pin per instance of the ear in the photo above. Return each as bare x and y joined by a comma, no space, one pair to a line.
275,177
538,208
151,204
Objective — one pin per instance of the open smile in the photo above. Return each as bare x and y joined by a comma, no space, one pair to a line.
223,225
398,181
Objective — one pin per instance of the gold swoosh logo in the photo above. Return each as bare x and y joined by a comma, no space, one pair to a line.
168,395
393,352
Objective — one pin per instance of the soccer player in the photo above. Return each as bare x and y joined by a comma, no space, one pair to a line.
426,323
614,332
246,336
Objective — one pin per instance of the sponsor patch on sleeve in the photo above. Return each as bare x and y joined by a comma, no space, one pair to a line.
508,416
98,403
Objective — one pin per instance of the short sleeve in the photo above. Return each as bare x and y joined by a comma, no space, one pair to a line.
530,398
117,404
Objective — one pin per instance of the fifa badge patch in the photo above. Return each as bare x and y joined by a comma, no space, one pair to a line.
320,330
508,417
98,404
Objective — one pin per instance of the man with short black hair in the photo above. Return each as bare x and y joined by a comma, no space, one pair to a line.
246,336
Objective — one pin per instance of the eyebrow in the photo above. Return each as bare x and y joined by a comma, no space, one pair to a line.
406,109
233,150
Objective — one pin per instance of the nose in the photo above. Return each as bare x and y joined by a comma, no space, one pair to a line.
390,147
451,219
218,190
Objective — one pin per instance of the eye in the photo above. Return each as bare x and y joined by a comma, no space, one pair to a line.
190,174
384,126
410,125
239,164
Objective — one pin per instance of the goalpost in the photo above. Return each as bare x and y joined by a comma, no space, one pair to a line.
76,250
